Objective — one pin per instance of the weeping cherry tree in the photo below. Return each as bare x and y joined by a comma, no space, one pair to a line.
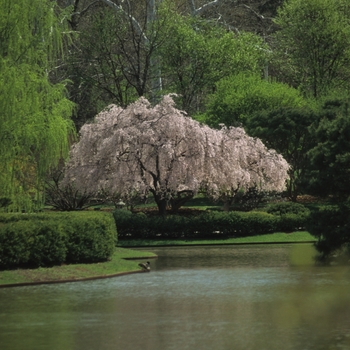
159,150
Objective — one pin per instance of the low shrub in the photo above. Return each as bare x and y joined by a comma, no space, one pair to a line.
91,237
209,225
48,239
292,216
288,208
14,243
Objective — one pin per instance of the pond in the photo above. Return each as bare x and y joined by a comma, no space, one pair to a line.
226,297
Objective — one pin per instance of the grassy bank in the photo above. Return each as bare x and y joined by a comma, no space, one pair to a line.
116,265
294,237
120,263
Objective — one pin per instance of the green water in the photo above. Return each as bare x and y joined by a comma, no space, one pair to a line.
237,297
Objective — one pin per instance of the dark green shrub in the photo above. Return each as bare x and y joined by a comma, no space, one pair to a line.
216,225
209,225
248,200
292,216
331,226
287,208
48,239
47,243
291,222
91,237
14,243
257,223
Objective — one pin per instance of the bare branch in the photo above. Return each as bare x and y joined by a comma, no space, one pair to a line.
200,10
258,15
135,23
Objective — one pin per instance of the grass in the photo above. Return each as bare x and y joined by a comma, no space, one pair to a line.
117,265
119,262
279,237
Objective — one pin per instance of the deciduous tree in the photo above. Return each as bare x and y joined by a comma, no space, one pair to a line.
240,96
160,150
35,114
314,44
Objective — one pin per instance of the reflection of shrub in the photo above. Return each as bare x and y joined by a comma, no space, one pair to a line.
53,238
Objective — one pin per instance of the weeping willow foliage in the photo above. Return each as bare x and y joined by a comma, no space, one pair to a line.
35,123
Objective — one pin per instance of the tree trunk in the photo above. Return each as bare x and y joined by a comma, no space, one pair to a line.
161,202
181,198
227,204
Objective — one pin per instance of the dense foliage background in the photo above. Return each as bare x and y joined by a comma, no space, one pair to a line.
277,68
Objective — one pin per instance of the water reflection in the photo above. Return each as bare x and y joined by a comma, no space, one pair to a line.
246,297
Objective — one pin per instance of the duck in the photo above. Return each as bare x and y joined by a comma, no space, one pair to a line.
145,266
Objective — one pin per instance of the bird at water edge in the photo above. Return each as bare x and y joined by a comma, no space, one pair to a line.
145,266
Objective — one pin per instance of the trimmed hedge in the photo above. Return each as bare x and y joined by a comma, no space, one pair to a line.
209,225
49,239
284,208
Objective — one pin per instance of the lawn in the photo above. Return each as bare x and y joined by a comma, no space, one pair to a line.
279,237
117,265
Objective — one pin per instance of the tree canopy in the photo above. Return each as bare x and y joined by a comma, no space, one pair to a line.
238,97
35,114
287,130
159,150
314,44
330,156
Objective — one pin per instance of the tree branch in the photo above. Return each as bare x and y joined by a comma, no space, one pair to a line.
200,10
135,23
258,15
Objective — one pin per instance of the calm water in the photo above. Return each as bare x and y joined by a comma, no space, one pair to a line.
246,297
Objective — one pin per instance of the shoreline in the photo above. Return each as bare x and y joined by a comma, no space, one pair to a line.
123,261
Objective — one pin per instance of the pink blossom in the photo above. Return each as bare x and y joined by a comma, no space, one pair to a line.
142,149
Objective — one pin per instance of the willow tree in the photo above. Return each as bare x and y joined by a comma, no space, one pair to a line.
34,114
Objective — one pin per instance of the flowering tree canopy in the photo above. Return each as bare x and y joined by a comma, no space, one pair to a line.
160,150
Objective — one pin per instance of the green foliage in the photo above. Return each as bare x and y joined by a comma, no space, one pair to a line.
14,245
287,130
91,237
98,65
314,44
292,216
239,97
330,158
199,54
209,225
65,197
53,238
331,226
284,208
34,120
47,241
249,199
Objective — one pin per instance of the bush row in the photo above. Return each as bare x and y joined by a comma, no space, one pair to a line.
49,239
207,225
